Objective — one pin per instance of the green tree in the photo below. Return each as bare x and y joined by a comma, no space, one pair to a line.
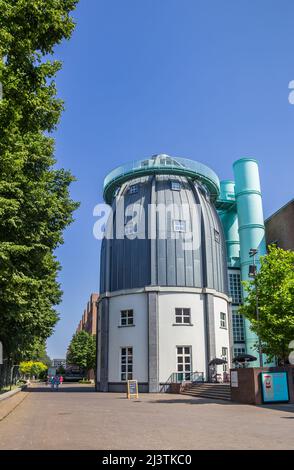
82,351
32,368
35,206
274,284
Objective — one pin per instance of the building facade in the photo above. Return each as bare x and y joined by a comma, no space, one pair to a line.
175,251
89,319
279,227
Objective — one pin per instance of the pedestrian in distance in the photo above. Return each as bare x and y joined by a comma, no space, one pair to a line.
52,382
61,380
56,382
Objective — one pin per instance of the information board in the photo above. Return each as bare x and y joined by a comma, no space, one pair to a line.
132,389
274,387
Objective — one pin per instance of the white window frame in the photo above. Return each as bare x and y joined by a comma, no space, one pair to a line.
128,375
226,357
129,317
223,321
182,314
179,225
183,355
176,185
131,228
134,189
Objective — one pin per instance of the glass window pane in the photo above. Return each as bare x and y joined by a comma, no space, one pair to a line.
180,350
123,351
178,319
187,350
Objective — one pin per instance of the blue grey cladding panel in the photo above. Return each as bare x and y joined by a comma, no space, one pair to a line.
167,260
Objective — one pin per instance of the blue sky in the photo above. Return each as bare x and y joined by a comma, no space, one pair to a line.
206,80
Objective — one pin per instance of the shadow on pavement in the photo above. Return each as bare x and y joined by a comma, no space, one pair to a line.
62,389
194,401
286,407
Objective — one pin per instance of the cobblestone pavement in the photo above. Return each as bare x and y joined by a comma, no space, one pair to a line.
78,418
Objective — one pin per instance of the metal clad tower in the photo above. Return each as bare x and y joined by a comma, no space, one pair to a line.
163,306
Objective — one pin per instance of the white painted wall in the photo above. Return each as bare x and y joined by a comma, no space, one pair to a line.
135,336
171,336
221,335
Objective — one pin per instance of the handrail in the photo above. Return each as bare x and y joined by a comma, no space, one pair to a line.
180,377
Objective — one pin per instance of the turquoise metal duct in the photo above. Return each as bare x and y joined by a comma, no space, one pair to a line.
251,225
229,220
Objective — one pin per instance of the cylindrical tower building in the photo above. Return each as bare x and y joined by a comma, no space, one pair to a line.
163,306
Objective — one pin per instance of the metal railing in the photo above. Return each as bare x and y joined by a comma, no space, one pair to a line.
162,164
181,377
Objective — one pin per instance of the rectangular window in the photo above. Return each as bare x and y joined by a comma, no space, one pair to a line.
179,225
134,189
184,362
183,316
238,327
216,236
126,366
223,320
130,228
176,186
235,288
225,357
239,350
126,317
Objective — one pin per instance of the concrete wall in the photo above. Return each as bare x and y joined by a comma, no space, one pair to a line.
171,335
249,386
135,336
221,335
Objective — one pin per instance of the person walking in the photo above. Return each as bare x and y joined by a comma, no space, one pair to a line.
56,382
52,382
61,380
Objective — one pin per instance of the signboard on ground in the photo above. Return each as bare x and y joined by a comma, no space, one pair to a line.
234,378
132,389
274,387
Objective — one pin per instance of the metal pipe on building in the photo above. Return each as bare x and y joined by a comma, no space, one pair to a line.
251,225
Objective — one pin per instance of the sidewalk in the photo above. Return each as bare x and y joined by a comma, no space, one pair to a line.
7,405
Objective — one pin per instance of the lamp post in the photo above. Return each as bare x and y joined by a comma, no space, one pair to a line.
252,273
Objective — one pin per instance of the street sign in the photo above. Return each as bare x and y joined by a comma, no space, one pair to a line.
132,389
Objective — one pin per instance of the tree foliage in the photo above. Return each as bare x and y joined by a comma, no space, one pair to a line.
35,205
32,368
82,351
274,284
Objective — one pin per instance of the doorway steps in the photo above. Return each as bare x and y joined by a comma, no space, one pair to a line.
214,391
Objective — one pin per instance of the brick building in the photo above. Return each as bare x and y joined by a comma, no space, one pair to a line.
89,322
279,227
89,319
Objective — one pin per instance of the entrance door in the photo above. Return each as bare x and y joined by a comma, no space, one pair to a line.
184,363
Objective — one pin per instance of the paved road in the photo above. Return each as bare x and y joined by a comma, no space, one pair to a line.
78,418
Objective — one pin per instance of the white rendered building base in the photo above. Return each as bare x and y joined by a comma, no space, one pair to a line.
155,337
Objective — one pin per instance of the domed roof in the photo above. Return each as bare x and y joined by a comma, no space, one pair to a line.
161,164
